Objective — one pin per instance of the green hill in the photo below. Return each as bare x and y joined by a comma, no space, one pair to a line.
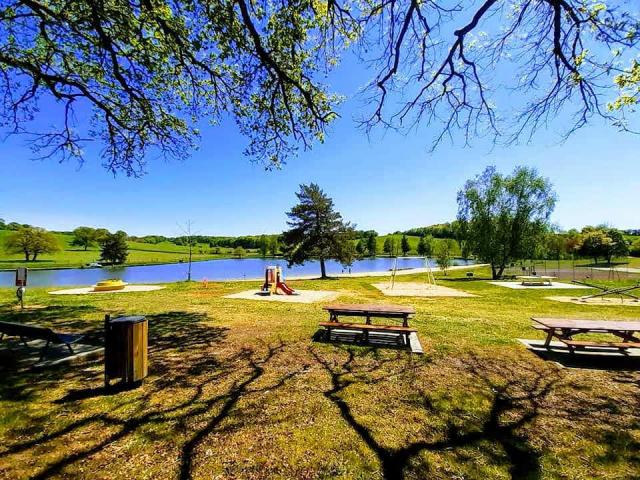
139,253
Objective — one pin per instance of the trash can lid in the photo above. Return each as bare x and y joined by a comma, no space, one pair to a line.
131,319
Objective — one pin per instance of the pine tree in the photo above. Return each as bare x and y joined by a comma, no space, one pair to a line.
404,245
317,230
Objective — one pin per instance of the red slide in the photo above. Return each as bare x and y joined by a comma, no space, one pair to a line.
285,288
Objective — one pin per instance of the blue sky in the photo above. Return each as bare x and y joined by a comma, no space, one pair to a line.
389,182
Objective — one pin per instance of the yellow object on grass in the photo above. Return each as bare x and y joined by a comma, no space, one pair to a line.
108,285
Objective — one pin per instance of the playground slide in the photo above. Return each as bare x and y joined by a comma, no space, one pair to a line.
285,288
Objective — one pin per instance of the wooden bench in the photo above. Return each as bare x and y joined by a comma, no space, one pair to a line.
33,332
583,343
366,328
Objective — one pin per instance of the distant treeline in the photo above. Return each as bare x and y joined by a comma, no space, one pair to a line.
247,242
440,230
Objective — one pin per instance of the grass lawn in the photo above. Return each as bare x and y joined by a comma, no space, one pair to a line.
239,390
139,253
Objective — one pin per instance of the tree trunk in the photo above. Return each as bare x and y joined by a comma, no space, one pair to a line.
26,256
497,271
35,255
85,247
323,270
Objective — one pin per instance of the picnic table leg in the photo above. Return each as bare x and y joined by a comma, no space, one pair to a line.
44,350
549,337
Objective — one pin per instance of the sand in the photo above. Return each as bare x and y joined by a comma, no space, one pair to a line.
555,285
302,296
419,289
89,290
602,301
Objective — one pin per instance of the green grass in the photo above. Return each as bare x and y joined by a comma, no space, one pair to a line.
238,389
139,253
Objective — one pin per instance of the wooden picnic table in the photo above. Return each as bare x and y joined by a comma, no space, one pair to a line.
370,311
565,328
536,279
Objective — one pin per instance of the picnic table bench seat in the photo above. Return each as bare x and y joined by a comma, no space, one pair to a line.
34,332
584,343
367,326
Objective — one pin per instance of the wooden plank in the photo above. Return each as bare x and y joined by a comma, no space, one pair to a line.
541,327
580,324
370,308
414,344
364,326
581,343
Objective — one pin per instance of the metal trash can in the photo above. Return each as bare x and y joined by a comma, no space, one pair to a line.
125,349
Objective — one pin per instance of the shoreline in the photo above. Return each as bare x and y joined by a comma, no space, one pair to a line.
126,265
385,273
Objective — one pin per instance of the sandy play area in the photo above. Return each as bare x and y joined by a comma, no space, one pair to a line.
555,285
416,289
89,290
302,296
607,301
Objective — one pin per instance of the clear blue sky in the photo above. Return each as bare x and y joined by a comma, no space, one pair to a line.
387,183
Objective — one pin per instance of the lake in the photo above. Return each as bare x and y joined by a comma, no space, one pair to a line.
224,269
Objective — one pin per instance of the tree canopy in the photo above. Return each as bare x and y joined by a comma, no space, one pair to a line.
114,248
84,237
150,71
504,218
317,230
602,242
425,246
31,241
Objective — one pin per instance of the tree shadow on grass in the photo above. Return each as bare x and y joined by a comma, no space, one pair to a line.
510,396
15,356
204,387
56,317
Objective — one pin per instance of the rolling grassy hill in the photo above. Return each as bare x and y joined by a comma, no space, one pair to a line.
139,253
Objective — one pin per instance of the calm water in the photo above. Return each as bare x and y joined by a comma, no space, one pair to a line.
227,269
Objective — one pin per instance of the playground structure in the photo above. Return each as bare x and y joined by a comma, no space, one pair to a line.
274,283
109,285
605,291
